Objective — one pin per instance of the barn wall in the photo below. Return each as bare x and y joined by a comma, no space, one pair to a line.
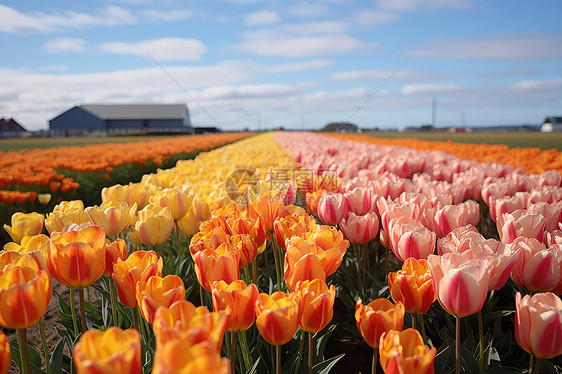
164,123
124,124
76,118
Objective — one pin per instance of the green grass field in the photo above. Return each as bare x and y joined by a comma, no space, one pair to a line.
511,139
29,143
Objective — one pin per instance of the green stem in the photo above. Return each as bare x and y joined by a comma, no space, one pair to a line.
310,352
136,320
375,359
73,312
359,274
422,326
458,346
531,363
45,347
246,274
245,350
277,359
82,311
413,321
299,355
201,296
481,332
254,272
537,366
233,352
277,260
142,329
113,298
24,355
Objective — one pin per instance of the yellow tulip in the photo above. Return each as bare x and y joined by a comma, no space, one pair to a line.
25,224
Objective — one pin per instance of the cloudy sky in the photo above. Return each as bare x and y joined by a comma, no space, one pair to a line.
297,64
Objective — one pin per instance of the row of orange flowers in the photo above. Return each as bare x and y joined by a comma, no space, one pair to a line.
30,167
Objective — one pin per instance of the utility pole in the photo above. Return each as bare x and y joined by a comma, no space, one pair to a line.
433,111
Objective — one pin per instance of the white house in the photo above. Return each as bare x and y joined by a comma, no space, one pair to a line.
551,124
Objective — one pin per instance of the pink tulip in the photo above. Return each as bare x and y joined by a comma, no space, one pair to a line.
554,237
537,268
360,229
460,282
332,208
493,190
449,218
507,204
409,238
501,257
361,200
547,194
552,213
473,212
538,324
395,211
520,223
550,178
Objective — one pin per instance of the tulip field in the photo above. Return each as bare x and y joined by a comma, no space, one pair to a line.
285,252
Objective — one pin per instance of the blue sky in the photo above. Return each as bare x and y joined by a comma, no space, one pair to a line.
297,64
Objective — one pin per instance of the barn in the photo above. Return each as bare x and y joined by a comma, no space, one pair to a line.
10,128
121,119
551,124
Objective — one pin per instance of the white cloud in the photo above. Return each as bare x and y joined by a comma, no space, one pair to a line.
383,74
512,47
169,15
430,89
65,44
247,91
301,40
262,17
536,85
306,9
12,20
424,5
165,49
375,17
297,66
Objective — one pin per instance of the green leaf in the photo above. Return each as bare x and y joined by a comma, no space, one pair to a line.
57,356
504,370
321,342
325,366
468,362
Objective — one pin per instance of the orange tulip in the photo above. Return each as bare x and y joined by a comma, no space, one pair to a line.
178,356
302,264
183,320
405,353
25,294
152,225
76,258
211,238
412,286
239,299
112,215
113,252
277,317
287,227
25,224
246,248
157,292
110,351
248,226
268,208
138,267
316,304
377,317
5,355
212,266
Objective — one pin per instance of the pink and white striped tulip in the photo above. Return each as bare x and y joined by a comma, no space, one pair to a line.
521,223
460,282
332,208
360,229
538,324
537,267
409,238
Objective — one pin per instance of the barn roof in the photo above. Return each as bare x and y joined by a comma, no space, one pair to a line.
136,111
10,125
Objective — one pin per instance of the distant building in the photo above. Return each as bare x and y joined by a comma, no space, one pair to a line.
121,119
341,127
10,128
551,124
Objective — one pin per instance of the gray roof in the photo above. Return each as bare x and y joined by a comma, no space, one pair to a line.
136,111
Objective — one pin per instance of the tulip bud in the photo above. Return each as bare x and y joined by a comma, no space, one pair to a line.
377,317
25,224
